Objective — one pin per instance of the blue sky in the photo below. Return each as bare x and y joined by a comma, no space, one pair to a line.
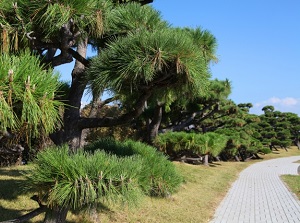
258,46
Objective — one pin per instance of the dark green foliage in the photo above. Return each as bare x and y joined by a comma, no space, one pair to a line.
240,143
233,141
109,145
265,150
208,143
157,177
176,141
278,129
133,18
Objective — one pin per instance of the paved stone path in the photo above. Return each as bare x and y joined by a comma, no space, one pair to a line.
259,195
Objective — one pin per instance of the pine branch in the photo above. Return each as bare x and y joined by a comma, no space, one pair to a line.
189,120
123,119
78,57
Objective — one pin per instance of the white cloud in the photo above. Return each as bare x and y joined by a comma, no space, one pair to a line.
284,101
288,104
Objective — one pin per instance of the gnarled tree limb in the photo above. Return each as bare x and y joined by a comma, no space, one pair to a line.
123,119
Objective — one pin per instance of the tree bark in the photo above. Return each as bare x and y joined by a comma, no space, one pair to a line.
205,160
236,158
56,215
217,158
123,119
72,132
154,124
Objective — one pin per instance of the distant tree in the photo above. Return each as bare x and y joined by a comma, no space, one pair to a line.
278,128
190,114
241,130
293,125
183,112
182,144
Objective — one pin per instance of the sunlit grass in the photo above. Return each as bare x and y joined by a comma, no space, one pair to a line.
13,202
293,183
203,190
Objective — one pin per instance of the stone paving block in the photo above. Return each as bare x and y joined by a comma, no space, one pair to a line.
259,195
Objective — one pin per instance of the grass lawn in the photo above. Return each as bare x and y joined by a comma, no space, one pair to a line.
203,190
293,182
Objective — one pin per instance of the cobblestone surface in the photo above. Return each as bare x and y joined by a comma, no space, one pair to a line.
260,196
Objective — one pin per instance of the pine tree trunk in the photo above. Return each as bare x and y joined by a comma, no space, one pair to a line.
218,158
205,161
155,123
72,132
56,215
237,158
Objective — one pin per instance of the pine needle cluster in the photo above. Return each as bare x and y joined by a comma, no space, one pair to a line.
157,177
81,179
27,92
201,144
148,59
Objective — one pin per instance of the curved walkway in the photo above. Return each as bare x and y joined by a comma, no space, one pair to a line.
259,195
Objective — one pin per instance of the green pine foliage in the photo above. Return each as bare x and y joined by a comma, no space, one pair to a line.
81,179
215,143
240,142
157,177
93,18
200,144
131,17
158,61
27,96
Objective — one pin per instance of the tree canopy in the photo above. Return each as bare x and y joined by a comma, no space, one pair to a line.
159,79
137,60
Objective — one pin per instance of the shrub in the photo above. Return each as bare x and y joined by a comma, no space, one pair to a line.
200,144
157,177
265,150
76,180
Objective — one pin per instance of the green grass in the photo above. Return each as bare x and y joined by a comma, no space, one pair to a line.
203,190
13,202
293,183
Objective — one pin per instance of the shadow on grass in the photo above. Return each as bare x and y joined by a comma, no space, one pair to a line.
11,189
10,173
214,164
6,214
